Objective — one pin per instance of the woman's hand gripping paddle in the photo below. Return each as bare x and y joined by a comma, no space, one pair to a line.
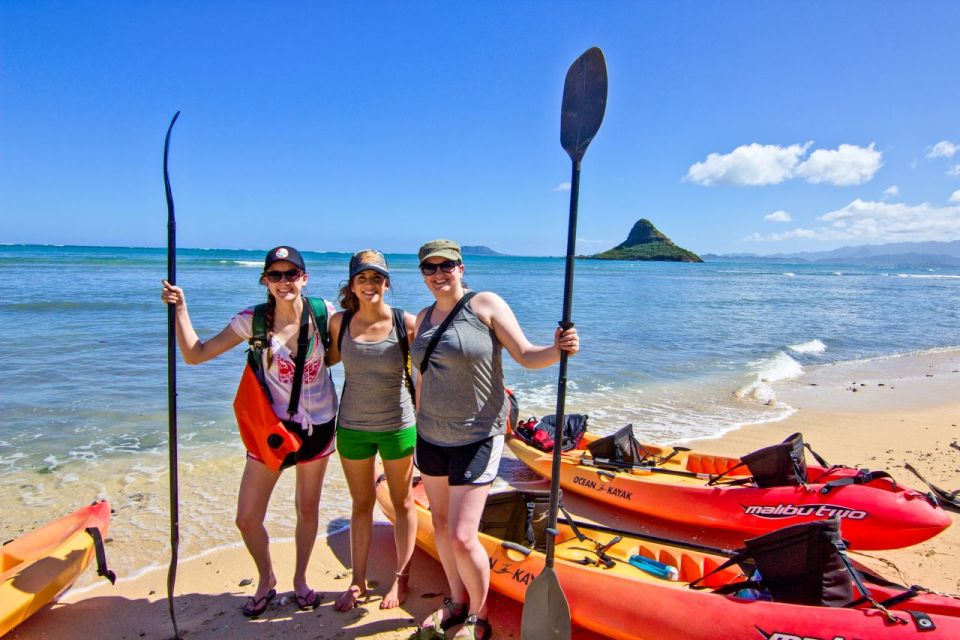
546,614
172,382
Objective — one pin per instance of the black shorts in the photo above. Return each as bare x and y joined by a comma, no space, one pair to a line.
474,463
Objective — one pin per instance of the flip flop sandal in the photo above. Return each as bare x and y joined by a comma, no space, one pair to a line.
308,602
256,606
471,626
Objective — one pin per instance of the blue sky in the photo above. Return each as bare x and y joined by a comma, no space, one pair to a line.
734,127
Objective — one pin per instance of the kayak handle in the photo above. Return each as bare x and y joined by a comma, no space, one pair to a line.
519,548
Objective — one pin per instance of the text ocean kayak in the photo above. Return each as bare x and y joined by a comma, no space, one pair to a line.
878,514
40,564
623,601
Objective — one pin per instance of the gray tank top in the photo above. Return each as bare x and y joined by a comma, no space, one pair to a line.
375,396
461,395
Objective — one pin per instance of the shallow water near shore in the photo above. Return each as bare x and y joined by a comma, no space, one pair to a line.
680,351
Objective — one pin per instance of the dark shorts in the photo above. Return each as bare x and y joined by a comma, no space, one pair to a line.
318,444
474,463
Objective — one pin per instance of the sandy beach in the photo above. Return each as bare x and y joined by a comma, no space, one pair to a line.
877,414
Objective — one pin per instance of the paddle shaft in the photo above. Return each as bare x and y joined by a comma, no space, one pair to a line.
565,324
172,383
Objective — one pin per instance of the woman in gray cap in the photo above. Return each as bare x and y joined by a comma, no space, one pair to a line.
312,418
376,415
461,421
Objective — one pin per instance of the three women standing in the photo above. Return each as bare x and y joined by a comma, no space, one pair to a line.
461,421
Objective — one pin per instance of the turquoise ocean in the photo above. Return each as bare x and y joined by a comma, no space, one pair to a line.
679,350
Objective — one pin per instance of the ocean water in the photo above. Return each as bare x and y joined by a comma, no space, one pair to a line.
679,350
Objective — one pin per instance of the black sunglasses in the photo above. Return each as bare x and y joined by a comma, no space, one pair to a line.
447,266
277,276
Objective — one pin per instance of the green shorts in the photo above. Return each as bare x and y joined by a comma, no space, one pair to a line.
360,445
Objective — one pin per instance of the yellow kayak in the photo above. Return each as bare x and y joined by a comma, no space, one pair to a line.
39,565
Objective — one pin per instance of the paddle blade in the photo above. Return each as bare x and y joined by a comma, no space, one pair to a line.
546,614
584,102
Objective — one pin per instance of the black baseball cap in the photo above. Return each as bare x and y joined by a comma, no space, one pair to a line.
287,254
369,260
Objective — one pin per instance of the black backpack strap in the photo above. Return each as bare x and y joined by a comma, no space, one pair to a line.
399,323
443,327
344,327
302,347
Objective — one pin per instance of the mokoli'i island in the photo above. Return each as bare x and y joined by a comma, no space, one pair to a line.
646,242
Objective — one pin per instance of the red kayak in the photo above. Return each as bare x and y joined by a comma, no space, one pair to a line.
682,485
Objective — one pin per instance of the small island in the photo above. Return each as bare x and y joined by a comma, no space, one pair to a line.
646,242
478,250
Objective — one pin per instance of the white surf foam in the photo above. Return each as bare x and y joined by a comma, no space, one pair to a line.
776,369
811,346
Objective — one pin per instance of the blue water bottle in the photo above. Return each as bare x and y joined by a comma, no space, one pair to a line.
654,568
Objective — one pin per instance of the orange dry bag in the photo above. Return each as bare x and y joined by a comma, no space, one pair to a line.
262,432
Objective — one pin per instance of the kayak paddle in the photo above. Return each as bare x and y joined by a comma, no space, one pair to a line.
546,613
172,383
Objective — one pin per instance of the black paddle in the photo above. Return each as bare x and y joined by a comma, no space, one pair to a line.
546,613
172,384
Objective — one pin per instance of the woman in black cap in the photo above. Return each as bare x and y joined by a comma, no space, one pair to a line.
376,415
311,419
461,421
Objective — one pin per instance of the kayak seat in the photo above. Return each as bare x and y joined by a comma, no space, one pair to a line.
713,465
517,516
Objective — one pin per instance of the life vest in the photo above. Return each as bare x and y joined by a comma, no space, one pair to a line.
264,435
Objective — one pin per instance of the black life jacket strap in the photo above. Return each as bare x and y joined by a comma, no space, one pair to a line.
102,569
435,340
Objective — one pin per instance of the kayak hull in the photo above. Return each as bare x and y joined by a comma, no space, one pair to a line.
625,603
876,515
36,567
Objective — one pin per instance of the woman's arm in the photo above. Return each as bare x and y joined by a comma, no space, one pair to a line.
417,382
193,349
498,315
333,353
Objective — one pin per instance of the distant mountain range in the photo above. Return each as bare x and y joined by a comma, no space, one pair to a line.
906,254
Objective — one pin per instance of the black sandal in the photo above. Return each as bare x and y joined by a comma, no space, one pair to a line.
439,624
470,627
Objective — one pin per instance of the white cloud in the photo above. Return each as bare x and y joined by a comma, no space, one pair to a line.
748,165
756,165
846,165
563,186
892,190
779,237
943,149
954,170
883,221
778,216
893,221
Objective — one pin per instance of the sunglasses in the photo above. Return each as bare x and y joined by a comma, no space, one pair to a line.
447,266
277,276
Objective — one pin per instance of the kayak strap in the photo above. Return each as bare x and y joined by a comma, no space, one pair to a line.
948,498
864,476
102,569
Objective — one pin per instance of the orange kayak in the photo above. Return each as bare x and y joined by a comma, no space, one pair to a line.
608,577
876,514
39,565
